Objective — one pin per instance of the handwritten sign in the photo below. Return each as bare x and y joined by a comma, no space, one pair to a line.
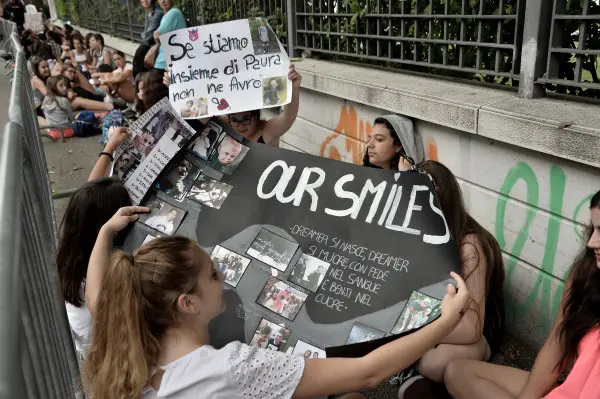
226,68
336,253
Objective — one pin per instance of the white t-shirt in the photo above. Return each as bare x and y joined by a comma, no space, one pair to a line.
237,371
80,321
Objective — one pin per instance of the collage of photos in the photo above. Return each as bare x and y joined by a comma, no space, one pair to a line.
270,336
363,333
163,123
162,217
228,155
232,265
308,351
274,90
273,250
420,309
178,180
209,192
264,40
194,108
309,272
281,298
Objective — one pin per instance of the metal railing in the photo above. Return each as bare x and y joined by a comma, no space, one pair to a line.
37,357
538,45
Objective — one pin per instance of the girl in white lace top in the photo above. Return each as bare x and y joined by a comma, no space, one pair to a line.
151,312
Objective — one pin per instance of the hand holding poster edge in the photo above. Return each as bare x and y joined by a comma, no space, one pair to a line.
226,68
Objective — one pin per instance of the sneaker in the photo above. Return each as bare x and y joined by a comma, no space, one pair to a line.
419,387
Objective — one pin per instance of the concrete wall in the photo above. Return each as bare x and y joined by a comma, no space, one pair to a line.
534,204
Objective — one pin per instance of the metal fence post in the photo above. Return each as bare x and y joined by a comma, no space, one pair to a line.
291,26
534,50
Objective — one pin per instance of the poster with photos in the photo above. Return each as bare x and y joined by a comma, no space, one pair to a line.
209,79
363,333
271,336
231,264
419,310
227,155
177,180
156,137
308,351
273,249
209,192
309,272
207,140
281,298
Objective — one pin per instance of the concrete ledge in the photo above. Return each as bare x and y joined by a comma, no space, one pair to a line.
566,129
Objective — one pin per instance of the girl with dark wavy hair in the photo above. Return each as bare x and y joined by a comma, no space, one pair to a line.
573,344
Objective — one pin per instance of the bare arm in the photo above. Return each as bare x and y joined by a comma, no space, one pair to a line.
118,77
101,252
278,126
37,84
331,376
106,55
544,375
84,83
474,270
103,164
72,56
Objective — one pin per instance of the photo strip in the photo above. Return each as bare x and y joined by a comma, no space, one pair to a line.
228,155
309,272
272,250
264,40
162,217
308,351
420,309
281,298
126,163
178,180
270,336
231,264
363,333
209,192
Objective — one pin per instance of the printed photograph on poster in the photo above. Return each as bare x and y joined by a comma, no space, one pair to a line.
281,298
231,264
203,145
308,351
194,108
309,272
419,310
159,123
162,217
144,143
164,123
228,156
209,192
272,249
363,333
264,39
126,163
270,336
274,90
178,180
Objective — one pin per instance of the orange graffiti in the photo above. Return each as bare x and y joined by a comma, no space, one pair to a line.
432,150
356,132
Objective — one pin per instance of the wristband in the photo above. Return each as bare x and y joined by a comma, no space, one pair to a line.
108,155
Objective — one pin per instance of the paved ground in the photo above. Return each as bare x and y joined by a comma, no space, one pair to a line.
70,163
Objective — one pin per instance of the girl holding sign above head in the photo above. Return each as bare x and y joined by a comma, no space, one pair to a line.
573,344
151,312
480,331
393,144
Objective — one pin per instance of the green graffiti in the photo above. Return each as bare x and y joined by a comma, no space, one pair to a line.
583,203
549,303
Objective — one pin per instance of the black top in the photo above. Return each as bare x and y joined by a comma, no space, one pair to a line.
261,140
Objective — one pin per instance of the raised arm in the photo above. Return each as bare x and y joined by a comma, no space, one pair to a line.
104,162
101,252
337,375
278,126
474,267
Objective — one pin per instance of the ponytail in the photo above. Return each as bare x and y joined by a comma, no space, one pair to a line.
136,305
117,360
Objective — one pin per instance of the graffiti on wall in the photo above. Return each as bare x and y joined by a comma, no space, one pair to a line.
348,141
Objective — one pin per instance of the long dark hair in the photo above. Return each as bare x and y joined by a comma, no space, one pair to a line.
396,159
89,208
462,224
581,301
154,89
